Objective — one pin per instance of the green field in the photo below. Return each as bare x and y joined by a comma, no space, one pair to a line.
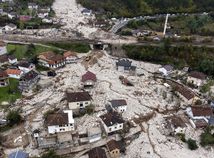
27,51
11,92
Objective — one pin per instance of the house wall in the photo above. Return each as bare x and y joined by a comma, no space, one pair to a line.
26,70
113,128
58,129
195,81
115,153
121,109
3,50
94,137
88,83
14,76
71,60
76,105
45,64
179,130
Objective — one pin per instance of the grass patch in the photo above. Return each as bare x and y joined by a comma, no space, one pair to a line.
207,138
206,88
27,51
11,92
77,47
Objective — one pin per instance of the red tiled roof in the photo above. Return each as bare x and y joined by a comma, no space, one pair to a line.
201,111
69,53
3,74
89,76
13,71
51,57
112,145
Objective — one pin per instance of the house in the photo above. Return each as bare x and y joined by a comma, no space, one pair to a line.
12,59
175,125
78,100
125,65
94,134
28,80
18,154
33,6
113,148
86,12
3,48
26,66
97,152
166,70
14,73
186,95
70,57
12,15
196,78
89,79
10,27
4,81
51,60
199,115
119,105
60,122
112,122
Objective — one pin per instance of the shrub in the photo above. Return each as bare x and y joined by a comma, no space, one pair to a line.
192,145
182,137
14,117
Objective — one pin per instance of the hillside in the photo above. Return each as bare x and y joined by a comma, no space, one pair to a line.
128,8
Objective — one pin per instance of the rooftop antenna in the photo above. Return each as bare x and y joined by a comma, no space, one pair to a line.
165,25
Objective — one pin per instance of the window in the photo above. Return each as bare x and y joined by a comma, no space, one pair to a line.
110,129
86,102
71,124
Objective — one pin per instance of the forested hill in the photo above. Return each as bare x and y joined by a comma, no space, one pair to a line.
128,8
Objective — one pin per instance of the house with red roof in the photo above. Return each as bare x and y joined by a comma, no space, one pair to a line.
14,73
89,79
51,60
70,57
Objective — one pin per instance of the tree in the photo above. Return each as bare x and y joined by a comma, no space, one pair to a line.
14,117
192,145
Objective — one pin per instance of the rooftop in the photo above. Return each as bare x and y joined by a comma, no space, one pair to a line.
18,154
201,111
89,76
69,54
97,152
111,118
13,71
29,76
57,119
78,96
112,145
198,75
118,102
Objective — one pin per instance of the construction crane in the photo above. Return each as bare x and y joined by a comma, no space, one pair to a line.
165,25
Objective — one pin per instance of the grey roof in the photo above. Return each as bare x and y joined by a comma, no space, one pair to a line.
86,10
118,102
11,25
124,63
18,154
168,67
29,76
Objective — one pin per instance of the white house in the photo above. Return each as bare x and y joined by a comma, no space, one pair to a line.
94,134
33,6
14,73
166,70
12,59
10,27
125,65
112,122
119,105
51,60
70,57
60,122
86,12
78,100
26,66
12,15
89,79
197,78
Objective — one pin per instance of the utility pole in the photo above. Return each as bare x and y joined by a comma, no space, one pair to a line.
165,25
